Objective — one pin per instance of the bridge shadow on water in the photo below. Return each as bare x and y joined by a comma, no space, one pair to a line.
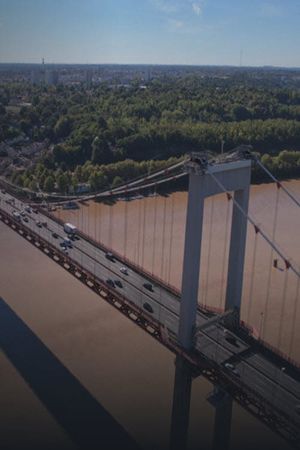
86,422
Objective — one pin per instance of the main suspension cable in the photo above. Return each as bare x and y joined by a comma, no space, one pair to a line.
280,185
288,264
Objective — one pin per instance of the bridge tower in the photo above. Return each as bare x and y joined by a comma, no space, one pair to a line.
207,179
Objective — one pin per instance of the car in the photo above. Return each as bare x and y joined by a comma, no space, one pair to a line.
232,369
110,256
17,215
39,224
110,282
25,219
35,210
62,245
124,270
28,209
67,242
148,307
22,213
148,286
230,338
54,235
118,283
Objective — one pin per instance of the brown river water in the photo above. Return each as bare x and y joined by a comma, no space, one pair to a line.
125,370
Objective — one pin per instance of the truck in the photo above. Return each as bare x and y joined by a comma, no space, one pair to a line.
69,228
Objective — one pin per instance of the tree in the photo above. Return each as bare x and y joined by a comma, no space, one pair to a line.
63,127
117,181
100,151
97,181
33,185
62,183
49,184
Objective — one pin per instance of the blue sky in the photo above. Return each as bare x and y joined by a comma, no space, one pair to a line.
151,31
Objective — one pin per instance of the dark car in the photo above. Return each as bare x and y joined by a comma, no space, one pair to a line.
118,283
25,219
230,338
110,282
110,256
232,369
148,307
148,286
54,235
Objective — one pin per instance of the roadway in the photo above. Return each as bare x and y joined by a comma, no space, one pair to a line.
271,382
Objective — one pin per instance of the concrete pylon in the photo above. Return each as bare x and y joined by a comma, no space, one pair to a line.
235,177
181,405
237,249
223,417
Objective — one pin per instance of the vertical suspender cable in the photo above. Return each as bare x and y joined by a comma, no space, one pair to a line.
294,317
95,220
110,225
86,216
139,231
163,238
81,219
154,229
284,292
222,293
125,224
144,228
265,309
100,221
171,238
289,194
208,251
250,298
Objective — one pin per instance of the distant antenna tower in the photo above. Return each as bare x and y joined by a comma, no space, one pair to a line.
43,61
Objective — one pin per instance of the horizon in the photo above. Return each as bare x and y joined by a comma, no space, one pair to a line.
151,32
147,65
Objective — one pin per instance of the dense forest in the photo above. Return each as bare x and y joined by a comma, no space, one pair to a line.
103,134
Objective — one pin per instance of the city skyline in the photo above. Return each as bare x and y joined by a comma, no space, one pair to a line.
187,32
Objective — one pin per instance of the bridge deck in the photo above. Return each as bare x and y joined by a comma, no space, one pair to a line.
258,379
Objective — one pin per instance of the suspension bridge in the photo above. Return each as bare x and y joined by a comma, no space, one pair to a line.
212,339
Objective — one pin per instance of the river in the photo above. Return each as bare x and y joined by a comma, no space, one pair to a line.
120,366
